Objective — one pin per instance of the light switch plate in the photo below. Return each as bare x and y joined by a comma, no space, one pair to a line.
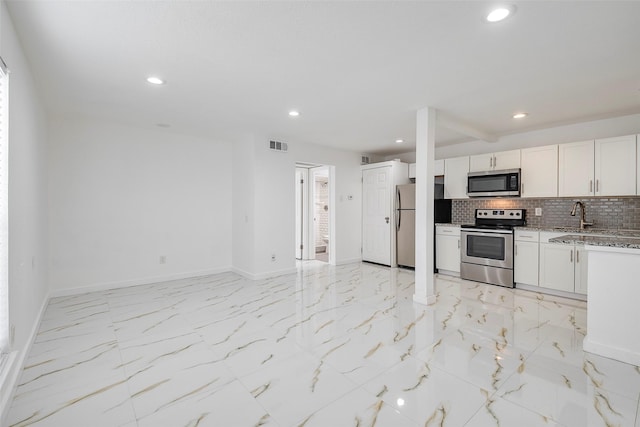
538,211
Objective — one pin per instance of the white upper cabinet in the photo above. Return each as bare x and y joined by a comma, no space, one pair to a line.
539,175
438,167
575,169
615,166
412,170
638,164
495,161
604,167
455,177
481,162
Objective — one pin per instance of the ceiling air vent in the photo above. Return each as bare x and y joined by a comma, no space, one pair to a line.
278,146
365,159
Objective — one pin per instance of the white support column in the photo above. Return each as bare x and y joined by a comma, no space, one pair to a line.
425,159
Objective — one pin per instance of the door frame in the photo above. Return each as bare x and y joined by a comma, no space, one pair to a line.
302,214
308,231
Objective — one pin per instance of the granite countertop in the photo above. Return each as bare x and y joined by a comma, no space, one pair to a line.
449,224
611,241
574,230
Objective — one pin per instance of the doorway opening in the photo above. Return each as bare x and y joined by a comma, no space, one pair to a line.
315,216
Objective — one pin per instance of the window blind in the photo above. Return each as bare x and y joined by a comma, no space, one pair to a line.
4,223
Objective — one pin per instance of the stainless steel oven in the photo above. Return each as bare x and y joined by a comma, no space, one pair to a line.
487,256
486,250
487,247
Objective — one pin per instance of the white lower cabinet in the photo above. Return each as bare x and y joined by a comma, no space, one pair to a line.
525,262
557,266
562,267
448,249
581,270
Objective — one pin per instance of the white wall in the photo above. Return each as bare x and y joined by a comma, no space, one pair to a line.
269,208
27,196
603,128
120,197
243,225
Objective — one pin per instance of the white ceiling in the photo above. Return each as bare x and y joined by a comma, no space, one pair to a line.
356,70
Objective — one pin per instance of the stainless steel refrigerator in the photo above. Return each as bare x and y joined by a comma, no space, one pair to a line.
406,219
406,225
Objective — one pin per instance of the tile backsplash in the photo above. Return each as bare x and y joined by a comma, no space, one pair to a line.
613,213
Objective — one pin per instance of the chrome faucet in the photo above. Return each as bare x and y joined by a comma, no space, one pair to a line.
583,221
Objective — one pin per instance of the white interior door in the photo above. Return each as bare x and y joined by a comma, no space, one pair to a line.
376,227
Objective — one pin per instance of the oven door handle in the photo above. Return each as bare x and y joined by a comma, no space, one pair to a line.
476,232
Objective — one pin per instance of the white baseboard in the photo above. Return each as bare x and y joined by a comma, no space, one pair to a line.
348,261
266,275
9,382
620,354
548,291
424,300
135,282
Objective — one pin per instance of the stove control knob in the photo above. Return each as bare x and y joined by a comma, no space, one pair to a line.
511,214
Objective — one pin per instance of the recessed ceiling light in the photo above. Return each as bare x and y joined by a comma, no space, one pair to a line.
399,141
155,80
520,115
294,113
500,13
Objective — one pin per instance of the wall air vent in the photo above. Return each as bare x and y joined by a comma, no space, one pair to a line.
278,146
365,160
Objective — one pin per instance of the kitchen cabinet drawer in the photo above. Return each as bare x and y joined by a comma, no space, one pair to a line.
447,231
527,236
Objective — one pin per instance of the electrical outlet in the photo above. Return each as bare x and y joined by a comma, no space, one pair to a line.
273,257
163,259
538,211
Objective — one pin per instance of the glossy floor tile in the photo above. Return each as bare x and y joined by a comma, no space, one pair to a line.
328,346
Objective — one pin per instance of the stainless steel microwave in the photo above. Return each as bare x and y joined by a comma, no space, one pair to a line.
502,183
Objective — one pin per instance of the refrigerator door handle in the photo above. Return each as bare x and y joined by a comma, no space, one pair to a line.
398,214
398,201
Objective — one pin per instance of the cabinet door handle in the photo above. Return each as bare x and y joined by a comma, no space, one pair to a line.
521,188
458,243
577,256
495,161
571,256
597,185
525,237
590,185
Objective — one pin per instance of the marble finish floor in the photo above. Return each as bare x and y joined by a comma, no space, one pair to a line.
328,346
